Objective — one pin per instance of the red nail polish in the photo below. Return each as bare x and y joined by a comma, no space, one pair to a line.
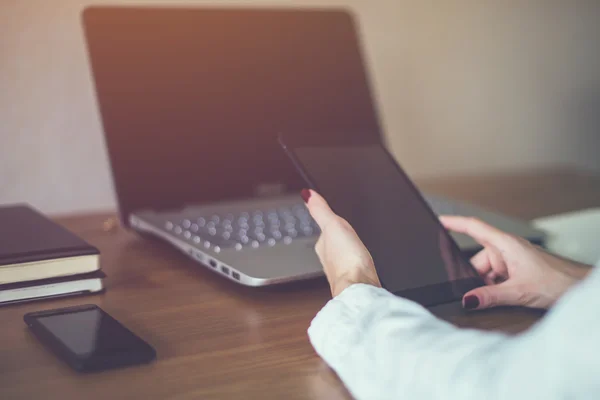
470,302
305,193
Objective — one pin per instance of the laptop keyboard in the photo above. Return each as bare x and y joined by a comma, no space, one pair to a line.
252,229
257,228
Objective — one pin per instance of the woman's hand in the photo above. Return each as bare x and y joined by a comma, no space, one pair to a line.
344,257
516,272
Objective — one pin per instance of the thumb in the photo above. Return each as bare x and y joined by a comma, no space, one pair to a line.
502,294
318,207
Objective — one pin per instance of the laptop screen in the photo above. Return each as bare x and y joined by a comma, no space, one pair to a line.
192,100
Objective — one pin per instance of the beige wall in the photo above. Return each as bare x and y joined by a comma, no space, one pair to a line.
465,86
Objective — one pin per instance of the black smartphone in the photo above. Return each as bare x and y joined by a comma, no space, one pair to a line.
88,339
415,257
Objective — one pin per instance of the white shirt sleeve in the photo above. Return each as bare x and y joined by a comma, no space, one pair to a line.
386,347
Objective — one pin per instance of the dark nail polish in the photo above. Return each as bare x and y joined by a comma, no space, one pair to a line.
305,193
470,302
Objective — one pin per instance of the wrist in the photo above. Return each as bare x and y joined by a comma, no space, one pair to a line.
339,286
343,282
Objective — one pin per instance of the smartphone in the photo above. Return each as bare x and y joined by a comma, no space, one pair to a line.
414,256
88,339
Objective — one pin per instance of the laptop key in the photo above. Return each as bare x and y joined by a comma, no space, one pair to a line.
275,234
257,235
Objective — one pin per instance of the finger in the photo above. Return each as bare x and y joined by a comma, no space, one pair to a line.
499,268
320,252
483,265
490,278
319,209
320,246
477,229
481,262
503,294
490,265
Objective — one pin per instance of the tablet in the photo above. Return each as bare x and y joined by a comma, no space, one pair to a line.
415,257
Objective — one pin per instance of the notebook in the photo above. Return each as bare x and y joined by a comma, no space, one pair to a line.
33,247
52,288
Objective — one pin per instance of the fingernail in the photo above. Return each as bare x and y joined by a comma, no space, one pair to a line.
470,302
305,193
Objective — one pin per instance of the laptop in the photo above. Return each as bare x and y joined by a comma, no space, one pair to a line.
191,102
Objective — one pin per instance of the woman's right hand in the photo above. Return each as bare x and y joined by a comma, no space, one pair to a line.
516,272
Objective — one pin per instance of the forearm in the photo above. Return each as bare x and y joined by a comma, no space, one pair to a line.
385,347
382,346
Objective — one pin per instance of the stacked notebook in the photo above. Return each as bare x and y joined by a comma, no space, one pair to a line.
40,259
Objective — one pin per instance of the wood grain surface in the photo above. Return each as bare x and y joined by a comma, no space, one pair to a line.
217,340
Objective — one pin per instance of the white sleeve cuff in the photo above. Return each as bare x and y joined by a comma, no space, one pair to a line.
339,325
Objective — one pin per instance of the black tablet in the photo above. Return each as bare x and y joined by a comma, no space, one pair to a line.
415,257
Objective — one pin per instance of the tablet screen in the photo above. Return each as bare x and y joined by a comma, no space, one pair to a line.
414,255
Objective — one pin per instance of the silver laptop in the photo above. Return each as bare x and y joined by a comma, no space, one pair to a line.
191,101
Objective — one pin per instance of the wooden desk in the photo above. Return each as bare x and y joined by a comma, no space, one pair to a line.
217,340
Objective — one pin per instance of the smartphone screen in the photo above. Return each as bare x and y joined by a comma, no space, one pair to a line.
90,337
414,255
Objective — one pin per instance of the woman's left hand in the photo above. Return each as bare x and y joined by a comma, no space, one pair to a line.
344,257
